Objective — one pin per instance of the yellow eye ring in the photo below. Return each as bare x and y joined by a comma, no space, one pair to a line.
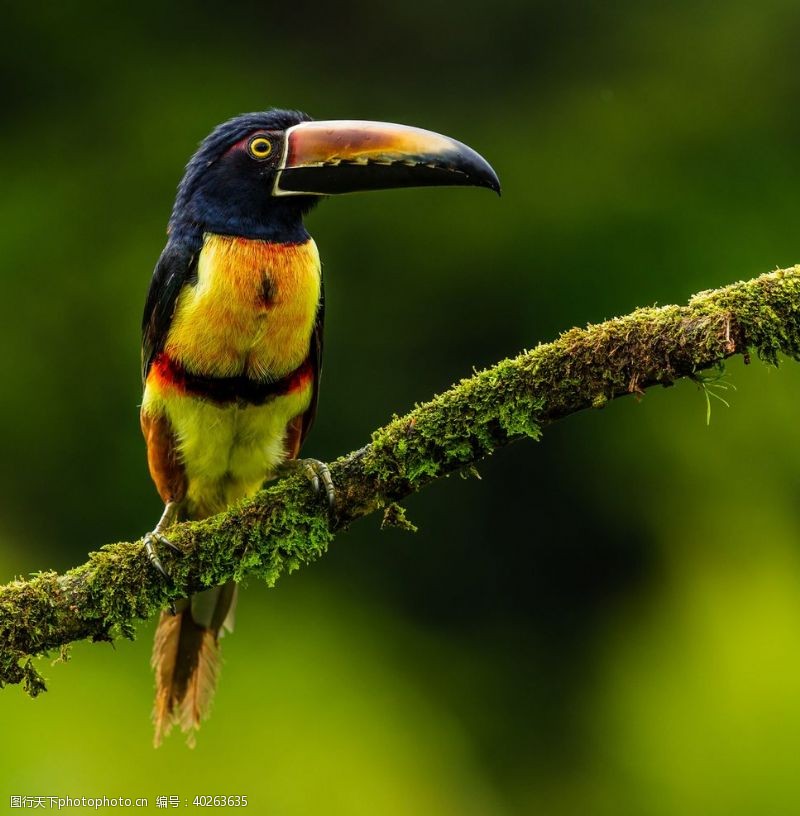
259,147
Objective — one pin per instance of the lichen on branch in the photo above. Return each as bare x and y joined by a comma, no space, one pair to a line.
285,526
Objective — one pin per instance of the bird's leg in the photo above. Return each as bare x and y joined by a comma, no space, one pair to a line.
156,536
318,473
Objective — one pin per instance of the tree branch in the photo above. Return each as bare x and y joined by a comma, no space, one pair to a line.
286,526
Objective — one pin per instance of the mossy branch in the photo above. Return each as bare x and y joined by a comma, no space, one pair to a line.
285,526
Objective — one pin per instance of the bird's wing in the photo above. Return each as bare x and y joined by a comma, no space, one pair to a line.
299,427
315,357
176,266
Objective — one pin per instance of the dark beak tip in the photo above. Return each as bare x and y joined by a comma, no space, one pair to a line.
483,174
491,182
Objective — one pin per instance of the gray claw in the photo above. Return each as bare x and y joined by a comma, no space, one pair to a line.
311,474
317,473
150,540
162,539
168,517
327,481
152,555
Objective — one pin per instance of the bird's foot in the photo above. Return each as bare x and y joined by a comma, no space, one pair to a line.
317,473
154,537
150,540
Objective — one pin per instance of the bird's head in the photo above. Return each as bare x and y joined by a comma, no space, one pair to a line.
257,174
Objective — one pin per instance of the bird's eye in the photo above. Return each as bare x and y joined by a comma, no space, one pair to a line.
259,147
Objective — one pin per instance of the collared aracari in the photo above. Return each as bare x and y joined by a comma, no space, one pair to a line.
232,337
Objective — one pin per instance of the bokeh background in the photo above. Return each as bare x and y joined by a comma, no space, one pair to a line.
609,621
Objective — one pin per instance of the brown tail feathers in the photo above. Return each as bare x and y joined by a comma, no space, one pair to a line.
186,659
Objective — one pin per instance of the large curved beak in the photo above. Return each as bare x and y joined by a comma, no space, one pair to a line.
325,158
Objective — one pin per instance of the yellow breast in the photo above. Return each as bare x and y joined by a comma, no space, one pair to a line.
251,310
227,451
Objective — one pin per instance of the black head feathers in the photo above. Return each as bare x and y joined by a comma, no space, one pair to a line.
231,200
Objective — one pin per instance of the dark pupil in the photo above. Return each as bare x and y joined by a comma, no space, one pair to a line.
260,145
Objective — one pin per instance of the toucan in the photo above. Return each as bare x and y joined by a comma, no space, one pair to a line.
232,339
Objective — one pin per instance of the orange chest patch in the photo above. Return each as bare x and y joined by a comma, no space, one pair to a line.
251,311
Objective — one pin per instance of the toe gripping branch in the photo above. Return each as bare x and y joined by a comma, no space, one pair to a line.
317,473
156,536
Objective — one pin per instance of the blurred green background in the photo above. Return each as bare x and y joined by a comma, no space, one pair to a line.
608,622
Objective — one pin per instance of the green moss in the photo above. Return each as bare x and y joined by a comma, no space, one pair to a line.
15,668
395,516
468,422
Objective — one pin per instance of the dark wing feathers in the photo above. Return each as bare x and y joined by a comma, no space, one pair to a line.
315,357
176,266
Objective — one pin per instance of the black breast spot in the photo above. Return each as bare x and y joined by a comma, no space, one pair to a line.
267,290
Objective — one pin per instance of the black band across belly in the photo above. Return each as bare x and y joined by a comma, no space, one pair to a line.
229,390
